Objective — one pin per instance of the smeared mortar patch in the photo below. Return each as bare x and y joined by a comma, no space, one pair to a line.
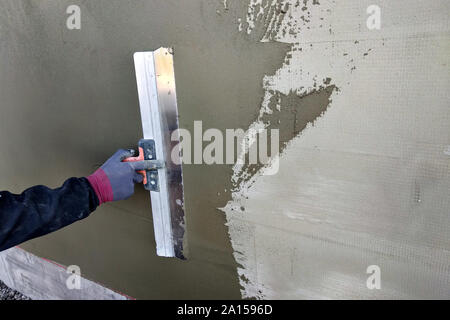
290,114
225,4
285,18
447,150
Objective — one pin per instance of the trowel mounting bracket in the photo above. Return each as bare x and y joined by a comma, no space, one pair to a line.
149,150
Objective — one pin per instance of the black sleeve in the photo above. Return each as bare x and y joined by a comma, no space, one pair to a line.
40,210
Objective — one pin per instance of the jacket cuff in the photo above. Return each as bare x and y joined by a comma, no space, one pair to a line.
101,185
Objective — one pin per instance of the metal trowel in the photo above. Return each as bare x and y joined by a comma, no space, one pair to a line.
159,113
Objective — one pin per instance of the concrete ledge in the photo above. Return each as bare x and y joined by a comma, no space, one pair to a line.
41,279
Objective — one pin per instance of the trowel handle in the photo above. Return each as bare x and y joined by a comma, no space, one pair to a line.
140,157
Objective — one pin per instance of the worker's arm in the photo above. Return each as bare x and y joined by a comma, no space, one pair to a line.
40,210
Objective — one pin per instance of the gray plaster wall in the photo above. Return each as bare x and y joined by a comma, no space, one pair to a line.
69,100
363,116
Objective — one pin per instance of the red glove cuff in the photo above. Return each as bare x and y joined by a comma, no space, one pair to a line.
101,185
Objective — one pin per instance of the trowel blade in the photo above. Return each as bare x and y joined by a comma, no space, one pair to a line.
158,104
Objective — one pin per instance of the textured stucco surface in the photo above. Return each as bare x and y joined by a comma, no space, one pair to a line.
366,183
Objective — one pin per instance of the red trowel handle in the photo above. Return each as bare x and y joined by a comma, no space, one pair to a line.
140,157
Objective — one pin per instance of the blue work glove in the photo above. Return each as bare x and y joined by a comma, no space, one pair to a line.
115,179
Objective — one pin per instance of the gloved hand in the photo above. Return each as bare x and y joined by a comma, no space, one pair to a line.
115,179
